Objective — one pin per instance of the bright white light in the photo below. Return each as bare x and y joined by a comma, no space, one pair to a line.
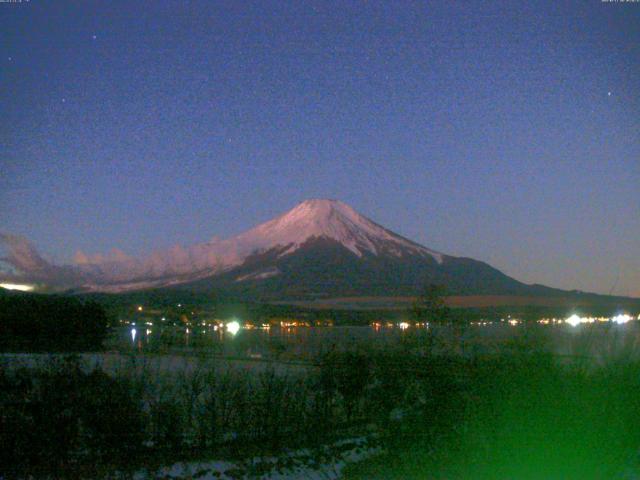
620,319
133,334
403,325
574,320
233,327
17,286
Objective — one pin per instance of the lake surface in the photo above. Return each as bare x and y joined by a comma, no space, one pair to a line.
307,343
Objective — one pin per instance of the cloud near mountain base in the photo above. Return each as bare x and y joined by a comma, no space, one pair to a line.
21,262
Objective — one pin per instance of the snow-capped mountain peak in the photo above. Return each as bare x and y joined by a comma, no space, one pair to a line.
330,219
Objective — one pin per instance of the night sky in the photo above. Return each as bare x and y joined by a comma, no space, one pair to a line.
504,131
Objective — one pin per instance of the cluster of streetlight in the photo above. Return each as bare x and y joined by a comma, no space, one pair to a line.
620,319
574,320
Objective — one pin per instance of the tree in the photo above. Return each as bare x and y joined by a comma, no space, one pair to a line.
431,307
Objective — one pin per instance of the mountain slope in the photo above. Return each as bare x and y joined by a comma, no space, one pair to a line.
323,267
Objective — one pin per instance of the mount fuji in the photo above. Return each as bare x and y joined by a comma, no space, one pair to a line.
318,248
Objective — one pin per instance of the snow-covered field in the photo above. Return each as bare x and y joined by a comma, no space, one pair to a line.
152,364
325,463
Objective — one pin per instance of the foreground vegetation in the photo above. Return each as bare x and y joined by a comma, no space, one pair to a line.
523,417
520,414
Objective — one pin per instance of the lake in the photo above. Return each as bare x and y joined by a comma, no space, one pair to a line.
308,343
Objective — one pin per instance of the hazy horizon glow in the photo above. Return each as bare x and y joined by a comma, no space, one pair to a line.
503,132
17,286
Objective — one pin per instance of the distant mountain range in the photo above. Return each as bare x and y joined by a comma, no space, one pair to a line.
320,248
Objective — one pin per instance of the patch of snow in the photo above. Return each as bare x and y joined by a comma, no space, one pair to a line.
293,465
258,275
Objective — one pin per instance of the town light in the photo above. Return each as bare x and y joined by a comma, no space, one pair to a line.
620,319
233,327
574,320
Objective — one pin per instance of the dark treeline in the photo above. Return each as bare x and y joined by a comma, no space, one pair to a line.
37,323
256,311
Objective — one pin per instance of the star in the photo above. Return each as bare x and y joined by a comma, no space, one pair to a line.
609,94
64,100
94,37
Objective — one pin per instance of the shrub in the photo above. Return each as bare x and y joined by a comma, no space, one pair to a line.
62,421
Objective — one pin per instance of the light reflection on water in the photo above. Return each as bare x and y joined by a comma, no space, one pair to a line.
309,342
